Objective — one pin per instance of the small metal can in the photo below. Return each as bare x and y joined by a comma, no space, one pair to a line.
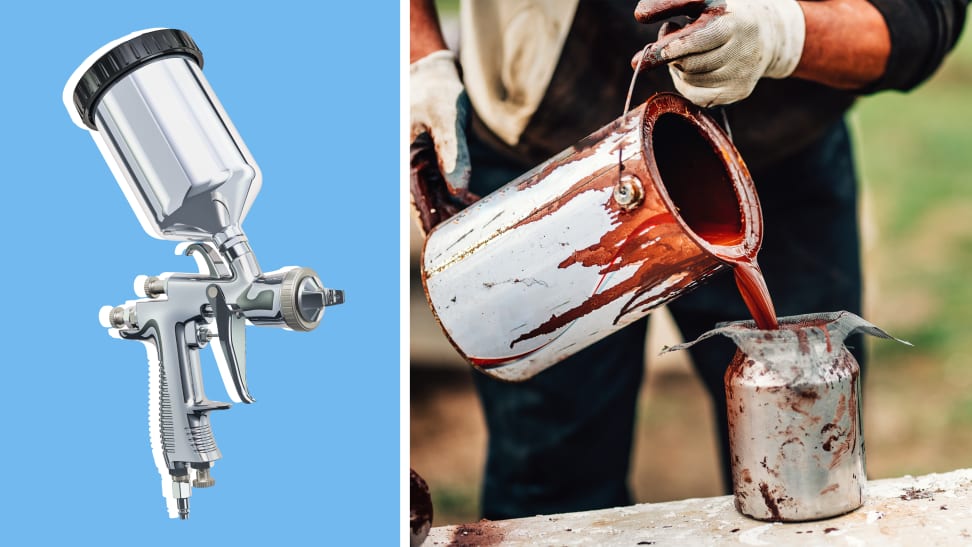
794,407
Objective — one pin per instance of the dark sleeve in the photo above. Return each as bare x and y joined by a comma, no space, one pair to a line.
922,32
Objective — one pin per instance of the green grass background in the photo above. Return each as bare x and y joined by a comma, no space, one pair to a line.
915,160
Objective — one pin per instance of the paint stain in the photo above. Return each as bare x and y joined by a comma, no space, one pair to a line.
483,533
774,509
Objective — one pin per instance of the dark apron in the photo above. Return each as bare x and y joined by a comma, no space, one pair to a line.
590,83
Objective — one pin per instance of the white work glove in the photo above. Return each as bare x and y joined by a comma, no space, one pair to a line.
720,55
439,107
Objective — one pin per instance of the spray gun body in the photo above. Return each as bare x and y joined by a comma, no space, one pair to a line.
189,177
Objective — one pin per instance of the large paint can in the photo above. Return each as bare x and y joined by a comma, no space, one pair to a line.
629,218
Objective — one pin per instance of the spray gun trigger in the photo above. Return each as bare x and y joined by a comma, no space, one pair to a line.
231,326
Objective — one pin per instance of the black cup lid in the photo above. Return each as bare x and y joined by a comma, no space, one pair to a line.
126,57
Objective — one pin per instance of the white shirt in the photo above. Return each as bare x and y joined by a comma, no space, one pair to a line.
509,50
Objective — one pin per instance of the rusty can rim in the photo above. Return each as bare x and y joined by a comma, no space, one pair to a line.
667,103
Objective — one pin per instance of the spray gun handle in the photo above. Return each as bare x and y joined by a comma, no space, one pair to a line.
177,397
179,427
181,436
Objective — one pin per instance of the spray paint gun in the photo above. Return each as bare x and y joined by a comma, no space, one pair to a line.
189,178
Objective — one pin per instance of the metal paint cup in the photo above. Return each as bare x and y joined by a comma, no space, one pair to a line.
571,252
795,428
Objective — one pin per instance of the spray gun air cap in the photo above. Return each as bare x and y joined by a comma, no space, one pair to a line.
122,58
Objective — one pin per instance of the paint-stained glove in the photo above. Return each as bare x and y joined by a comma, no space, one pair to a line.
439,107
718,57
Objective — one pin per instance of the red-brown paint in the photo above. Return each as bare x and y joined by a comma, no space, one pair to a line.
483,533
752,288
500,361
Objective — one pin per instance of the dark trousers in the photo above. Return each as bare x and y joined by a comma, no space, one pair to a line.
561,441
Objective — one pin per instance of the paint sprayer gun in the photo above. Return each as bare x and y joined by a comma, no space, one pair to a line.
189,178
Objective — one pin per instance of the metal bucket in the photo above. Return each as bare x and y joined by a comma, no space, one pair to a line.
570,252
794,407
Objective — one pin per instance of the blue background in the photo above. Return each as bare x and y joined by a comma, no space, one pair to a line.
313,90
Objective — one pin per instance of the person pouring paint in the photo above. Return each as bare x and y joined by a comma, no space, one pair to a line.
538,76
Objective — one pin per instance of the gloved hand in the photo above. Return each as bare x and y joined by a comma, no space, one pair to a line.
728,46
439,107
